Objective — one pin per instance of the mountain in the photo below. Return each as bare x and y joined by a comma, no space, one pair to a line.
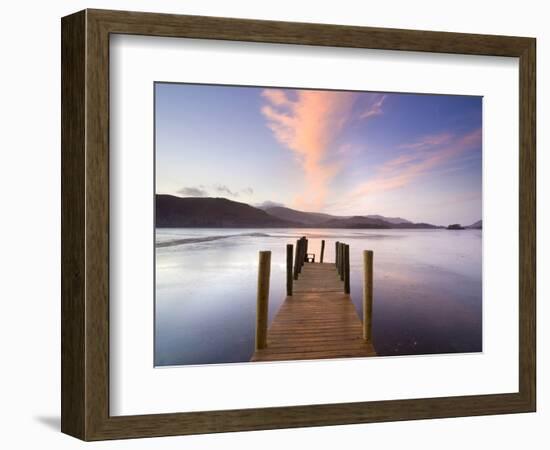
370,222
355,222
328,220
394,220
208,212
476,226
305,218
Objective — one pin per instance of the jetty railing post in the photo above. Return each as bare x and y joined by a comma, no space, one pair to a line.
336,254
322,251
297,259
289,274
338,258
262,299
367,294
342,247
305,249
346,269
301,255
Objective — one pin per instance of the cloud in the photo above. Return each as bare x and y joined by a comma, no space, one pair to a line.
269,204
276,97
201,191
424,155
348,150
223,189
374,105
308,124
192,192
429,141
460,198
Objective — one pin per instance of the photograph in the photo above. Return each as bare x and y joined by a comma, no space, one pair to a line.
273,221
305,224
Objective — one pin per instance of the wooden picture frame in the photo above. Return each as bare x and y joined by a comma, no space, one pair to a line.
85,224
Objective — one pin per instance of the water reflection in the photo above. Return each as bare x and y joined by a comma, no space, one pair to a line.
427,289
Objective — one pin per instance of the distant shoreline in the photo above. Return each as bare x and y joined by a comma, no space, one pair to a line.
286,227
219,212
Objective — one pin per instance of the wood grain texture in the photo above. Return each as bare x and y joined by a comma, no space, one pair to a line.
262,300
85,224
368,288
527,224
97,225
267,31
347,281
73,271
318,322
289,269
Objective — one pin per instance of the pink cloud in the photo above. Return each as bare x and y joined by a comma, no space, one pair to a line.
426,154
308,125
276,97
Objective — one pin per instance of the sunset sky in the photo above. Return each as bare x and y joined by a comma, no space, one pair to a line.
346,153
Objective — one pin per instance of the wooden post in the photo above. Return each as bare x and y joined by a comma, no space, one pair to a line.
305,249
301,255
297,260
300,247
322,251
346,269
367,294
342,247
262,299
289,269
339,267
336,253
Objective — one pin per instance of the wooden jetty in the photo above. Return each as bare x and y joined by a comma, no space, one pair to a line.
317,319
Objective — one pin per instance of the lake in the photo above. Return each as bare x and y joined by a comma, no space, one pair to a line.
427,289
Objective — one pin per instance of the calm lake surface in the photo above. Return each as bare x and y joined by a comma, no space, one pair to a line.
427,289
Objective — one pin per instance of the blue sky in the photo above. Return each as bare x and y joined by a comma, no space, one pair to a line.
339,152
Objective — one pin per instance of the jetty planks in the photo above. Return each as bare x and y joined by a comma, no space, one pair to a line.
319,321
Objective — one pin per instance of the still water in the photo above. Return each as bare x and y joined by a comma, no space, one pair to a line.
427,289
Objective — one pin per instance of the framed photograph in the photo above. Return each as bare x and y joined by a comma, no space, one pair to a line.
268,224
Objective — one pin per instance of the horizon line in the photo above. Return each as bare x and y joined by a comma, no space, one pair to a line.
277,205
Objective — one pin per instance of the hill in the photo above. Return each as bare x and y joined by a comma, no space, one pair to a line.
355,222
370,222
476,226
293,215
208,212
316,219
393,220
